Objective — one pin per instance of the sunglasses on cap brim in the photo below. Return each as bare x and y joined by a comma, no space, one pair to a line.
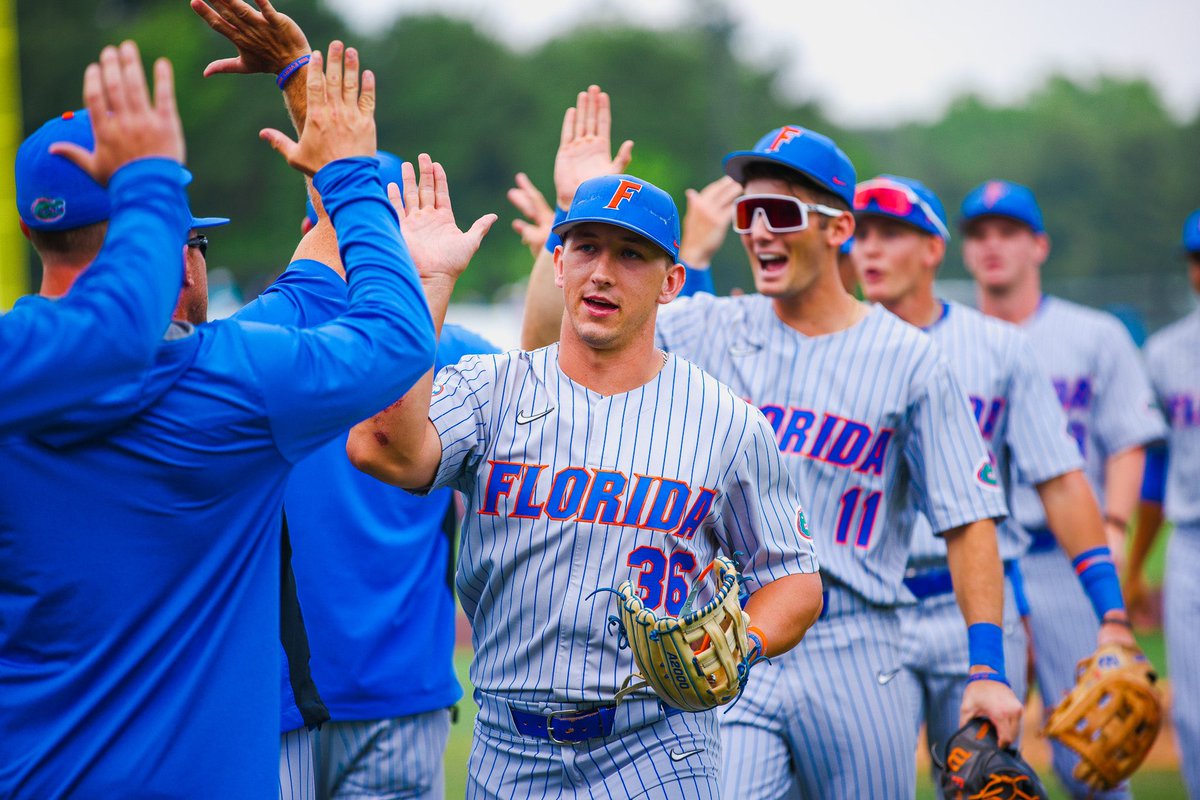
896,199
782,213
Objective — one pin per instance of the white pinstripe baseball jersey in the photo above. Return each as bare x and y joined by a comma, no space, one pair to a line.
862,416
1102,385
1171,359
1017,411
569,491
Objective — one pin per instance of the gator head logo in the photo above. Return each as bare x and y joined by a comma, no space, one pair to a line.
802,524
49,209
985,473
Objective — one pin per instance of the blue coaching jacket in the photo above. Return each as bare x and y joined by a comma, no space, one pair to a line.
139,538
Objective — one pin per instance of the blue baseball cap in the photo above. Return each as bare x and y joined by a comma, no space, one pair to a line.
389,172
55,195
904,199
813,155
1191,232
630,203
997,198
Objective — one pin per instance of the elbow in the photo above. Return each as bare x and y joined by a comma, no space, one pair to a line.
369,454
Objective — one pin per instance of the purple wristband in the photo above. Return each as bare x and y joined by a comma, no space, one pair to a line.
282,78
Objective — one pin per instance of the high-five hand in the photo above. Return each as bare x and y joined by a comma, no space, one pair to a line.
341,120
125,124
585,147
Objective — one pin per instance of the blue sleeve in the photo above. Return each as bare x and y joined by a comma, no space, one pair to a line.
697,280
1154,479
308,293
456,342
317,382
56,356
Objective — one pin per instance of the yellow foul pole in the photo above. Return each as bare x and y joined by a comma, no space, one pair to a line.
13,251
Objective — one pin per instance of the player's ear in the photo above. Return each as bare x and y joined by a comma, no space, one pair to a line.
672,283
1043,247
840,229
558,266
935,251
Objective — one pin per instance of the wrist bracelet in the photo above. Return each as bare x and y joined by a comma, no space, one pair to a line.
287,72
987,676
760,638
1122,621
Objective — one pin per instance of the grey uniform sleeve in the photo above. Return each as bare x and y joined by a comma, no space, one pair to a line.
1126,413
953,478
1038,440
462,393
760,515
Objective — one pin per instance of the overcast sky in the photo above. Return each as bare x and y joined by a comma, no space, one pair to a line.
883,62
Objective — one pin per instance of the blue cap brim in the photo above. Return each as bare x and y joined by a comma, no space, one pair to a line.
562,227
208,222
735,167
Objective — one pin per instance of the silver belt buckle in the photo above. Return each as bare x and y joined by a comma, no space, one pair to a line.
567,713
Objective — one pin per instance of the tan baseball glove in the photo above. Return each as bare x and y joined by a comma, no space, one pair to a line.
1110,717
693,662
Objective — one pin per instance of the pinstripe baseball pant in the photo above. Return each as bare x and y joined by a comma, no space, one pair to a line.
387,759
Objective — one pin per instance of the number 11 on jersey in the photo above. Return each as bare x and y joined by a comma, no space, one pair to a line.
848,508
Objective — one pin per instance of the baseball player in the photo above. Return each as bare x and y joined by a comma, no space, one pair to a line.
585,464
58,355
1175,474
138,642
1101,384
862,407
900,241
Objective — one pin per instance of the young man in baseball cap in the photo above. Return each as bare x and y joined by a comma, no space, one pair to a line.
587,463
900,241
1172,485
864,410
58,355
1102,386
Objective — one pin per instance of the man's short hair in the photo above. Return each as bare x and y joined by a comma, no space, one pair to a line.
765,170
83,242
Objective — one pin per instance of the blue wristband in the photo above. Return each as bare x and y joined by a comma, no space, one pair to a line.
1098,575
282,78
554,240
985,645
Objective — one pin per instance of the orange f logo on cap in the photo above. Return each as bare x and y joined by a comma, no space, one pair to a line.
785,135
625,191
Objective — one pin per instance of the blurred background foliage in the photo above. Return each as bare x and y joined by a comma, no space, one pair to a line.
1113,171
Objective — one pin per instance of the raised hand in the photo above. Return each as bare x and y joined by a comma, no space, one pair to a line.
266,41
585,147
341,121
438,248
125,124
534,230
707,221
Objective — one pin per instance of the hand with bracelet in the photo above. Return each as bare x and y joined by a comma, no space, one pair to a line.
266,40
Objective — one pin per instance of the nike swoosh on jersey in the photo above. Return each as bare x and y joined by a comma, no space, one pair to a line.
523,419
680,755
885,678
737,350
